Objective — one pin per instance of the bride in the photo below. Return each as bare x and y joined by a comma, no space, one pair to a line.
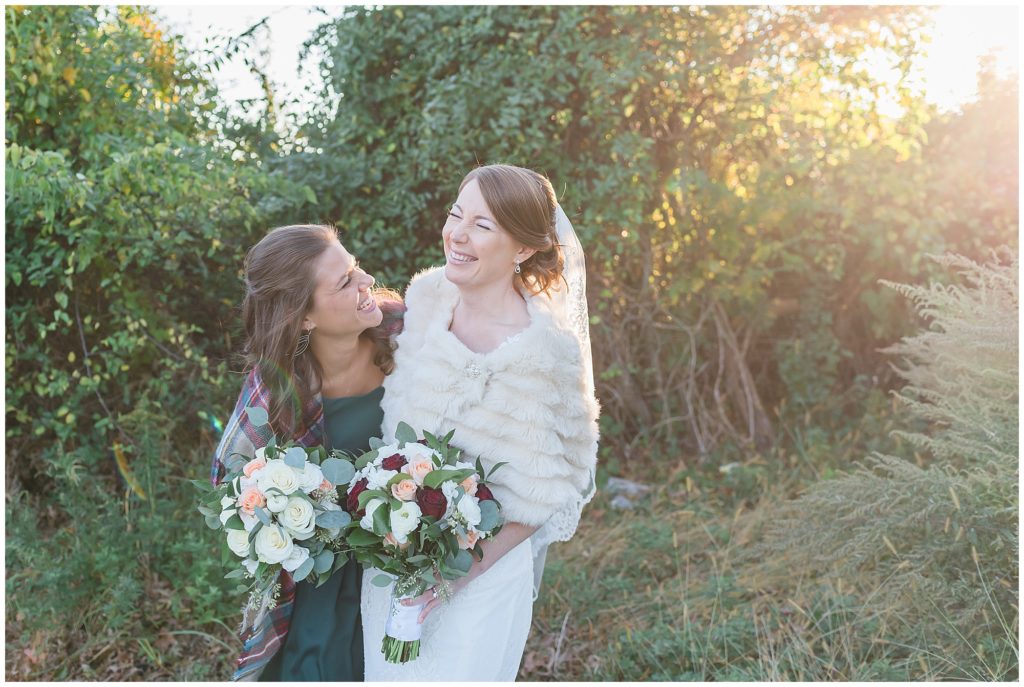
496,347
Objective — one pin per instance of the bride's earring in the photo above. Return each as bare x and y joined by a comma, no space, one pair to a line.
303,343
519,270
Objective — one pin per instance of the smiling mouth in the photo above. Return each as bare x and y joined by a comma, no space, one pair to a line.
367,304
460,258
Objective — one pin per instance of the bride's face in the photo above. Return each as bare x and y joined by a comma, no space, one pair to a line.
478,250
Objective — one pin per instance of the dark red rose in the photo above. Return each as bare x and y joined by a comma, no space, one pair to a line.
432,502
483,493
353,497
395,462
421,441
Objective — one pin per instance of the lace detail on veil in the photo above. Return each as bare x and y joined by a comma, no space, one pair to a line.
570,306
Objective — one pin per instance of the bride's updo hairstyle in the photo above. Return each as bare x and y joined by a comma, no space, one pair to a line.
523,203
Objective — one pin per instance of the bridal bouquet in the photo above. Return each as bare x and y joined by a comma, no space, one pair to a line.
419,514
279,510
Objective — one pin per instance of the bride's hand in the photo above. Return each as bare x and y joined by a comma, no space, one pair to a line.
431,599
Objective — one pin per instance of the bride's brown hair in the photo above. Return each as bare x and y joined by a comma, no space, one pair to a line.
280,280
524,203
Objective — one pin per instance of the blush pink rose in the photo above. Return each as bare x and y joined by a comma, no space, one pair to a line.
325,486
404,490
469,541
418,468
254,465
251,499
469,485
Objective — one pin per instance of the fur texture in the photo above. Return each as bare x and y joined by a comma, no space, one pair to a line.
524,402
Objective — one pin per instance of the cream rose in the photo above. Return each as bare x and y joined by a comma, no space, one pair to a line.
311,478
404,490
470,510
367,522
273,544
278,475
298,517
389,540
405,520
238,542
276,502
378,479
300,555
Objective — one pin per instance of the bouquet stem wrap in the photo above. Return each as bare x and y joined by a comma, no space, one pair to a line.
403,631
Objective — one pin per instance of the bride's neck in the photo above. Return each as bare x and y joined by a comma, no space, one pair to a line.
494,303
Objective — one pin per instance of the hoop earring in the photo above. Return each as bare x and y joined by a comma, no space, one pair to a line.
519,270
303,343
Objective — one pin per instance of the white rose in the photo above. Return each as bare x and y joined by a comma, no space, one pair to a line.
238,542
299,556
261,453
298,517
225,515
378,479
228,502
367,522
405,520
273,544
278,475
385,451
276,502
311,478
469,509
250,565
417,451
449,490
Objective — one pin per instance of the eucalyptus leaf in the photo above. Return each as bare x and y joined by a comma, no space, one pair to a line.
382,580
405,434
213,522
337,471
435,478
381,521
202,485
323,562
206,510
295,457
489,516
331,519
257,416
462,561
366,459
376,443
234,523
236,573
302,572
263,515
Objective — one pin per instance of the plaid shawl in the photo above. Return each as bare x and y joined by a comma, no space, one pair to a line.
259,644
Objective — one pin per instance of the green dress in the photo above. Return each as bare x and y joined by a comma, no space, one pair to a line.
325,638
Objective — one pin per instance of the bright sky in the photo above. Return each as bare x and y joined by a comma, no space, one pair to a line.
947,72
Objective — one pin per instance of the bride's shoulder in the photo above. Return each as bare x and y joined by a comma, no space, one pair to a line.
427,286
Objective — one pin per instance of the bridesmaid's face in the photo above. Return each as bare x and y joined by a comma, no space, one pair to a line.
342,302
478,250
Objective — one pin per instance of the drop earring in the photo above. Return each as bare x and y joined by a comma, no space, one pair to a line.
519,270
303,343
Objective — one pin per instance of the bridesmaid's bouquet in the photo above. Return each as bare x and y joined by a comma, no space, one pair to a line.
278,511
419,515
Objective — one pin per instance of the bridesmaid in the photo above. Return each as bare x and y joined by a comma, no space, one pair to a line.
319,341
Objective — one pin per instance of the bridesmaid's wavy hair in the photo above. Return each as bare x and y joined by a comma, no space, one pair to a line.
280,280
523,203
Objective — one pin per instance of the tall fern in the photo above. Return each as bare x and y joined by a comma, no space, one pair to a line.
935,549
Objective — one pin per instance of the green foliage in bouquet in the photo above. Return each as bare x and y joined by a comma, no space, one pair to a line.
937,541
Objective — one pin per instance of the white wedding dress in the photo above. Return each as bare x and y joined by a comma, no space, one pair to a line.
477,636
